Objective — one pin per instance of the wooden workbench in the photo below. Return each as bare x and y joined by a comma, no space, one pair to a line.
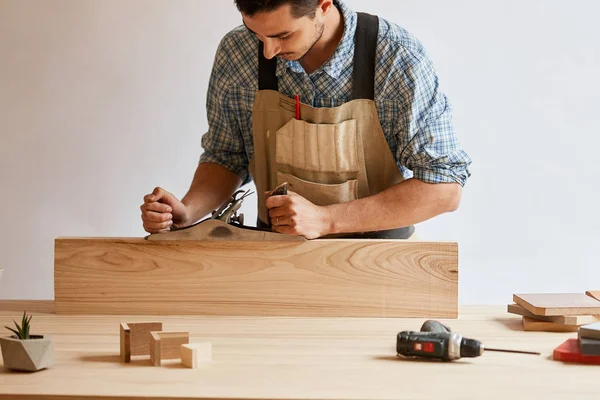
296,358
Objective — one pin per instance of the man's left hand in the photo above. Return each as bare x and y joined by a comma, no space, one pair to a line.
292,214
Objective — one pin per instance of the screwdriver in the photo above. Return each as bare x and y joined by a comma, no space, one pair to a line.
436,340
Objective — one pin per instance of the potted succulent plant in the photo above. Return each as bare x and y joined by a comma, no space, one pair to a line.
26,352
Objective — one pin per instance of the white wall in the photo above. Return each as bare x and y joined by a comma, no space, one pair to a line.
100,101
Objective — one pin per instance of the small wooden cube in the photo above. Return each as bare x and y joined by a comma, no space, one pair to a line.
166,346
135,338
194,354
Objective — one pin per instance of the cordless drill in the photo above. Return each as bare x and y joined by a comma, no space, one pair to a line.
436,340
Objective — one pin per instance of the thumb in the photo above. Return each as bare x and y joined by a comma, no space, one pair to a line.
157,194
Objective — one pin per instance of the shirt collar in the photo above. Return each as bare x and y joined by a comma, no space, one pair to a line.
341,57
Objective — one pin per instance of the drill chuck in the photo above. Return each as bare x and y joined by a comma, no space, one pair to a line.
471,348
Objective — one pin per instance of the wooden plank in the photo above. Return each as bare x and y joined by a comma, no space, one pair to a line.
31,306
594,294
532,324
326,277
558,319
301,358
553,304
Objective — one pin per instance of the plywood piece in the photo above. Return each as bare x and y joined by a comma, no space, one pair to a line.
552,304
316,278
531,324
594,294
195,354
557,319
591,331
135,338
166,346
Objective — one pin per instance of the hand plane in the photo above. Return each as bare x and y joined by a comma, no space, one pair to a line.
224,224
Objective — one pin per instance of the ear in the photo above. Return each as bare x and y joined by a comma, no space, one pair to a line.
325,6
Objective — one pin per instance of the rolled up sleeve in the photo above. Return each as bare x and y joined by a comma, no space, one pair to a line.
428,144
223,143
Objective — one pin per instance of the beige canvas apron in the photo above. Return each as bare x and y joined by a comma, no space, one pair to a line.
330,155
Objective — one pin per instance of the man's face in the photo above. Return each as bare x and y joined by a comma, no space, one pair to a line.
284,35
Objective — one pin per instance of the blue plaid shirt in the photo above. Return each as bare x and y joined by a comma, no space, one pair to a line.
414,114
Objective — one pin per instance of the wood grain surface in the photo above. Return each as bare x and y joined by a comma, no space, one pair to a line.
329,277
36,306
300,358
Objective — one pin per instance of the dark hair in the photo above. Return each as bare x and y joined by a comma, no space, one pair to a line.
300,8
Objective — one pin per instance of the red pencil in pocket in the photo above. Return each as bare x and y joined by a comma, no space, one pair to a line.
297,106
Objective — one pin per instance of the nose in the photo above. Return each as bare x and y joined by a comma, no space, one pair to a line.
271,49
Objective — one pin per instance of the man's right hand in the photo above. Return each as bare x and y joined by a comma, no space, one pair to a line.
161,211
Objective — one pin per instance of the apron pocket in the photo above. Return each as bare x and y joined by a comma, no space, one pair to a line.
329,148
321,194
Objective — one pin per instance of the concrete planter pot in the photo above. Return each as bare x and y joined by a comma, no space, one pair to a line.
30,355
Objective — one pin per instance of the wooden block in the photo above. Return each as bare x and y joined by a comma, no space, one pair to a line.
552,304
569,352
312,278
531,324
125,341
594,294
557,319
195,354
591,331
167,346
135,338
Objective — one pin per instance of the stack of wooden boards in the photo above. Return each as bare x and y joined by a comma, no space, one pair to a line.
564,312
556,312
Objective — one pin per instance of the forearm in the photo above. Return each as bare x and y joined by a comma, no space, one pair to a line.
212,186
407,203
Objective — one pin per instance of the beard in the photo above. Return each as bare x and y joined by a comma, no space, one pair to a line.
319,29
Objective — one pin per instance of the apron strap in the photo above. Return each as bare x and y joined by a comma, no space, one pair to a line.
363,79
267,71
